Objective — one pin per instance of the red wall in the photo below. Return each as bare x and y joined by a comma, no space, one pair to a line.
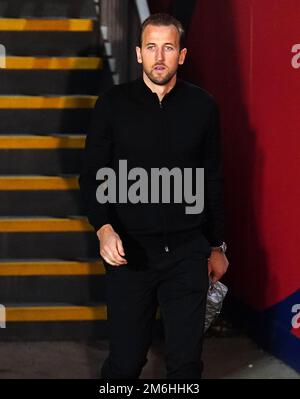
241,52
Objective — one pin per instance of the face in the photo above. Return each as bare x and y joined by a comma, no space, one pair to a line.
160,53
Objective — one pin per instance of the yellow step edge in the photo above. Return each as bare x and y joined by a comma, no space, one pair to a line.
38,183
39,102
46,225
53,63
20,142
66,25
58,313
51,268
55,313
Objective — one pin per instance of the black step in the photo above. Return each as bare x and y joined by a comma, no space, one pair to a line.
38,289
47,8
49,121
40,161
51,43
62,331
54,331
61,245
35,82
54,203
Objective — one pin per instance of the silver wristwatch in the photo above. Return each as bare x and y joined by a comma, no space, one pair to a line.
221,248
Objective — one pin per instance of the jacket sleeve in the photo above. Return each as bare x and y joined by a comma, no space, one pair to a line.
97,154
213,180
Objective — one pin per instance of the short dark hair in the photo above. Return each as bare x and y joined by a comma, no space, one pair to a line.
163,19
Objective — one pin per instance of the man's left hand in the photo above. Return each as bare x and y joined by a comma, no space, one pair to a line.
217,265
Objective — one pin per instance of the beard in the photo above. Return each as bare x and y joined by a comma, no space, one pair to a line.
163,80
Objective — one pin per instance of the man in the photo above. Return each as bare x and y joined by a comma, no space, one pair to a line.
155,253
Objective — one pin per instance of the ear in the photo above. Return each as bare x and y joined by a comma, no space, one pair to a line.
138,54
182,56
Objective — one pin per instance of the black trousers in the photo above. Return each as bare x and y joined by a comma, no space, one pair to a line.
177,283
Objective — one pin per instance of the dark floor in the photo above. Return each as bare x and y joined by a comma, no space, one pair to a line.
224,357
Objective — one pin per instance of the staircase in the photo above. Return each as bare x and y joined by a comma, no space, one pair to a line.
51,278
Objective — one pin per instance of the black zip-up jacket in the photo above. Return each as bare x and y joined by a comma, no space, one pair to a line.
130,123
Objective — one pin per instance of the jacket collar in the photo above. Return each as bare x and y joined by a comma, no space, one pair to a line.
143,93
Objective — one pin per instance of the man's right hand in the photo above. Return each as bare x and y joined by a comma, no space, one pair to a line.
111,247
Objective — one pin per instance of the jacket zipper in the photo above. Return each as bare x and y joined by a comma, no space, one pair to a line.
166,246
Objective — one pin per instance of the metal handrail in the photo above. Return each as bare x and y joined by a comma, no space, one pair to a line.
119,22
143,9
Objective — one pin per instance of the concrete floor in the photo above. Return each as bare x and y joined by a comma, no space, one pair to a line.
224,357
